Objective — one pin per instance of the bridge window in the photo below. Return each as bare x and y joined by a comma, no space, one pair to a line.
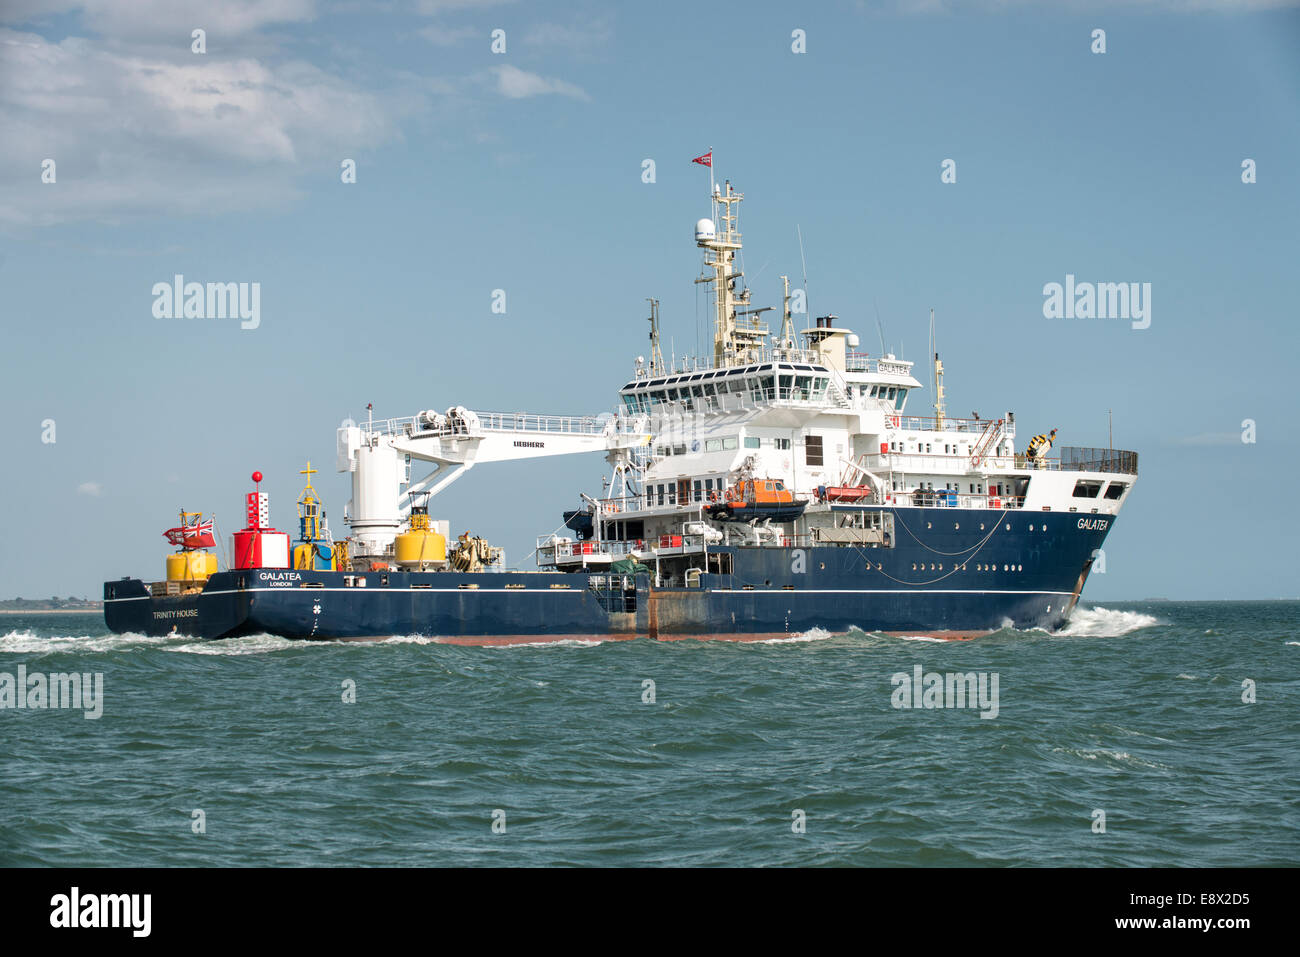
1086,489
713,445
781,443
729,443
752,441
1115,490
813,450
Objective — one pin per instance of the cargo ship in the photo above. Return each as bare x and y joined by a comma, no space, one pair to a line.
781,484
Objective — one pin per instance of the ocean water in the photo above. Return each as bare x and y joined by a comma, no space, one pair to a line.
788,752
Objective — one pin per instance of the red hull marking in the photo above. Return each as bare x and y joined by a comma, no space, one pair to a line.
941,635
757,636
482,640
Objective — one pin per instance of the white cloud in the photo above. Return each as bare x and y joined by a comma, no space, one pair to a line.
516,84
137,133
136,19
93,489
581,36
1085,6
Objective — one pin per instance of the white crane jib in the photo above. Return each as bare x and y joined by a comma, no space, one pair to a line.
379,456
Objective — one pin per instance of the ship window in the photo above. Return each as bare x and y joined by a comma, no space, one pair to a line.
679,450
781,443
777,486
713,445
902,396
1115,490
1086,489
813,450
752,441
729,443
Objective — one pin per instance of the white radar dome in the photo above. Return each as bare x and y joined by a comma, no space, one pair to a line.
705,230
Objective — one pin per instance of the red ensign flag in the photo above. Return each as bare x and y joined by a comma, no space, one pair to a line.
705,160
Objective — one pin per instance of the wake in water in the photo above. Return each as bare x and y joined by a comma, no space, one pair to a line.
247,645
812,634
27,643
1104,623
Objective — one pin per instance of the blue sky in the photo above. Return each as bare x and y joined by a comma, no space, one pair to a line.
522,171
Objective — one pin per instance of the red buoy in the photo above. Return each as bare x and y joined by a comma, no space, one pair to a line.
257,476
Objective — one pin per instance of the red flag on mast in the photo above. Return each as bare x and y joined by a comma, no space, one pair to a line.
705,160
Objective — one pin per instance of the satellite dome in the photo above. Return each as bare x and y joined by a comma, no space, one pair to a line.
705,230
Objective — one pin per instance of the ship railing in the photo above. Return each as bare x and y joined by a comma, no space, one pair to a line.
929,423
611,582
940,463
1119,461
527,422
560,551
1115,461
689,364
862,362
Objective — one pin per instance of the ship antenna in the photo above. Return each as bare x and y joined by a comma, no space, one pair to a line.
879,329
936,378
805,268
656,354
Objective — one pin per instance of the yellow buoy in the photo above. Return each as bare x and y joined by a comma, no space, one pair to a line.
420,547
193,566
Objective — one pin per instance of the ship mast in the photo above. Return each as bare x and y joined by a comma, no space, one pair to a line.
938,379
656,354
786,340
736,340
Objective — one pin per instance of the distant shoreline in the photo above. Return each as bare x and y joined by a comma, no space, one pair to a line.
51,611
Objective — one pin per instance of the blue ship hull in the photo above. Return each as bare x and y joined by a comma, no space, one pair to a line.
949,571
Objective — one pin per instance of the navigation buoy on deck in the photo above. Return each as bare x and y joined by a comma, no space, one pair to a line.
258,545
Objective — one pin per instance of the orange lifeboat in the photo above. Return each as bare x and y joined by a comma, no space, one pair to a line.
756,499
